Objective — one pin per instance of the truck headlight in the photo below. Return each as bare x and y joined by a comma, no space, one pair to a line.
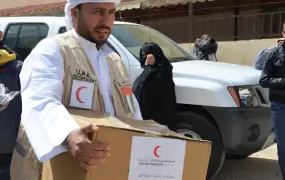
244,96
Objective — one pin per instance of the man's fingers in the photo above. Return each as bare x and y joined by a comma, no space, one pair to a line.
86,166
91,161
96,146
98,154
89,128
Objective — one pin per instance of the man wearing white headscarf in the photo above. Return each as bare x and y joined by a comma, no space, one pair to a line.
49,126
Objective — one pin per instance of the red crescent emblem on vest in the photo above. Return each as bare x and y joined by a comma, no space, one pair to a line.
78,92
155,151
127,91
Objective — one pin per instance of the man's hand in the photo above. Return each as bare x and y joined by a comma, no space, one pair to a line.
2,107
87,153
150,60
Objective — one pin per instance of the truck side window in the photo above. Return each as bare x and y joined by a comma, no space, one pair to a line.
43,31
23,37
11,35
62,30
27,40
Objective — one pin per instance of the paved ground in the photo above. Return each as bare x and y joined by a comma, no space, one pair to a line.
259,166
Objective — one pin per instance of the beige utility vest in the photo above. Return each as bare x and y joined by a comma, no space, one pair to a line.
80,78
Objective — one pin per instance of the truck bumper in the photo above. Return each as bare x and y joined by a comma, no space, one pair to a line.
244,130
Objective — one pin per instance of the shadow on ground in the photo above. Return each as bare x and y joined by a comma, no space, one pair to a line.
251,168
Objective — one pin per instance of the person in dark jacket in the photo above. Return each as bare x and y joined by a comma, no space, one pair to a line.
205,48
154,88
10,115
263,55
273,77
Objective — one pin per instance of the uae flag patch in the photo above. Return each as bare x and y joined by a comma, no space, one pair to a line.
128,92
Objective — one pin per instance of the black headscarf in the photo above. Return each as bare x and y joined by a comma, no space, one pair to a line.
160,60
203,47
154,88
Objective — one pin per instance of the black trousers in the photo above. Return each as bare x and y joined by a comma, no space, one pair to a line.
5,163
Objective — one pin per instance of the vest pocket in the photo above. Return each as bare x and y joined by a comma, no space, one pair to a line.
123,100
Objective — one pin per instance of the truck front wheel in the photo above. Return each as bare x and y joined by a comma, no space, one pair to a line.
199,127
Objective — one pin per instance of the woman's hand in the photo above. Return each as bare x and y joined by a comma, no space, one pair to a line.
150,60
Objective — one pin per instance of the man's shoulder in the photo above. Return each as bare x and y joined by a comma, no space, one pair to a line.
48,41
265,51
276,50
46,47
51,40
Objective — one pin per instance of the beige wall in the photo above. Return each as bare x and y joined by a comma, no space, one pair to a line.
20,3
239,52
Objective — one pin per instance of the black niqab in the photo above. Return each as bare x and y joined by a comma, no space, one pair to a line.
154,88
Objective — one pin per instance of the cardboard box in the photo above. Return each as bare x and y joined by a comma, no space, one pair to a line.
140,150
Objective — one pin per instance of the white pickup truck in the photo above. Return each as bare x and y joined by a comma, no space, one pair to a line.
219,102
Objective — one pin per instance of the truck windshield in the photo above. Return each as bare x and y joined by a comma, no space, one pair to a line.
133,38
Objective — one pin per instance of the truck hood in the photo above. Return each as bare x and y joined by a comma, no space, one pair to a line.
230,74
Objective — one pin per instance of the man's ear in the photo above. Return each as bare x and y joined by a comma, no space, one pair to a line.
74,14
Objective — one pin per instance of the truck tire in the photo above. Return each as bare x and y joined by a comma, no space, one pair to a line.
236,156
200,127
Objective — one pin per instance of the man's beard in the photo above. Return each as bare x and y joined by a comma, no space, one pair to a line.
87,35
99,43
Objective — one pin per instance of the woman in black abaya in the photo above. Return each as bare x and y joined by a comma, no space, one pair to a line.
154,88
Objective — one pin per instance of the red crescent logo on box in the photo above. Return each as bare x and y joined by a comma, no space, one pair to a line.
155,151
78,94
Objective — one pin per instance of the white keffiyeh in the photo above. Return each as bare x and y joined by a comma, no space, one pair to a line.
73,3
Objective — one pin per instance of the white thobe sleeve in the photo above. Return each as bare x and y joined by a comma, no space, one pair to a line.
137,115
46,120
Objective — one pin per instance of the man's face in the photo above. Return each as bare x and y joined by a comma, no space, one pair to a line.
94,21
